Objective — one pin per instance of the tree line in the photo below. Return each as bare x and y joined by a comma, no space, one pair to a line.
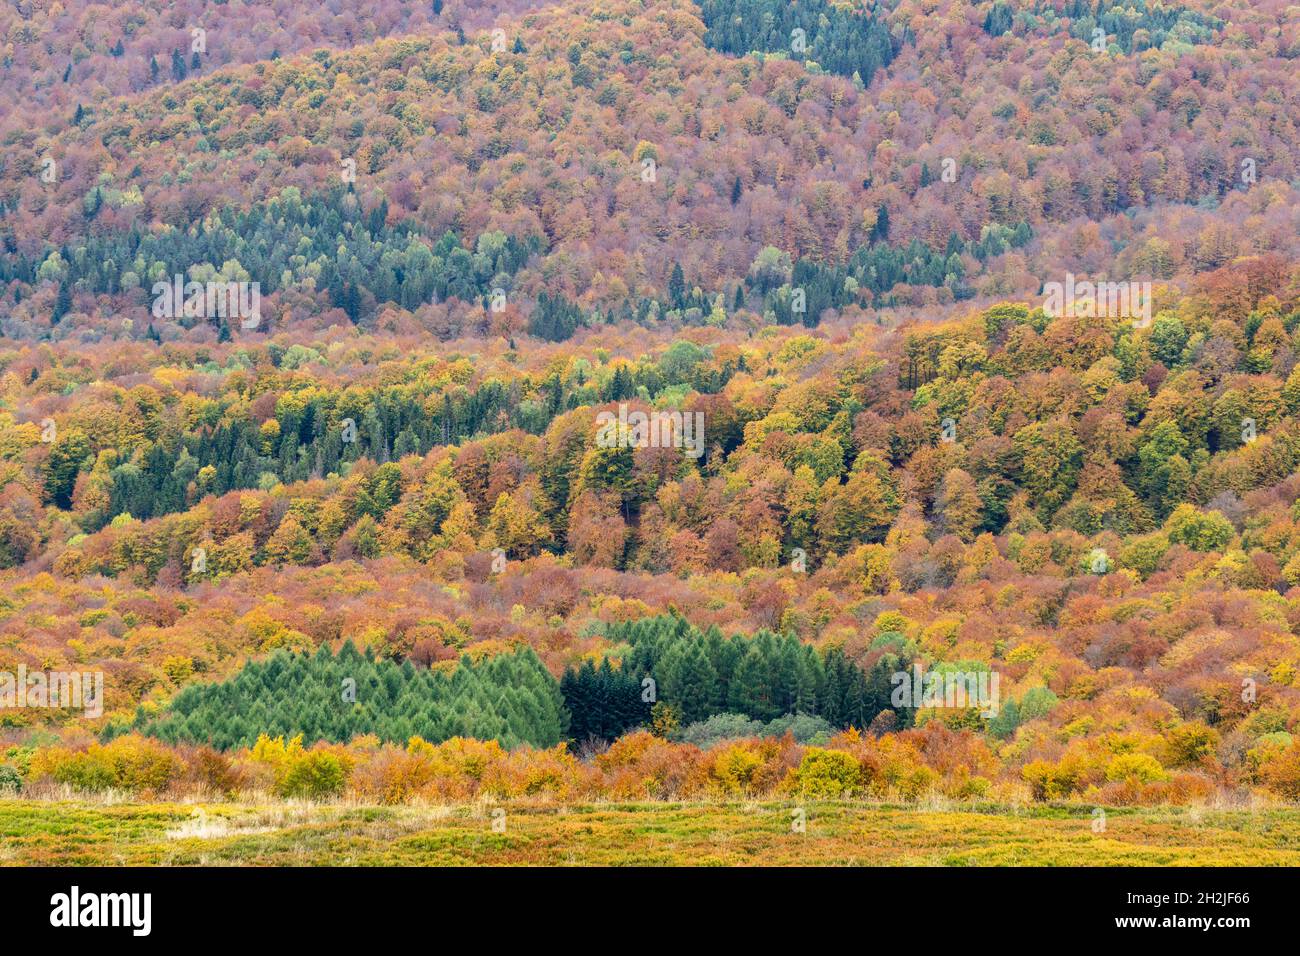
841,39
325,239
697,674
1133,25
510,698
316,432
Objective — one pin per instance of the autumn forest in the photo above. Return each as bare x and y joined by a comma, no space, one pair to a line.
598,402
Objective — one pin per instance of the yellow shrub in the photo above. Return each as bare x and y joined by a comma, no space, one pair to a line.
734,767
1135,767
128,763
825,774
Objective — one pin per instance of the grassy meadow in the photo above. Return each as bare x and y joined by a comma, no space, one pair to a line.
79,833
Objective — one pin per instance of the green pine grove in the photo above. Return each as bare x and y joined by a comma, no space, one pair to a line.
510,698
841,39
513,699
701,673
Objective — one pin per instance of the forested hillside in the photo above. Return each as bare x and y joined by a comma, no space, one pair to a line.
824,231
641,160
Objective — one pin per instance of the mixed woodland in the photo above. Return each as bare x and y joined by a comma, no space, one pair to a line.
371,546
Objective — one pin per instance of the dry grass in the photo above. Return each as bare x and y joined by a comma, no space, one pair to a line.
740,833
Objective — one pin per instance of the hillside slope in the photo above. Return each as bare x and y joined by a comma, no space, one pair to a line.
817,238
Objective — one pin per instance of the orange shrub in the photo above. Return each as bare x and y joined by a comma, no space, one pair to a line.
642,766
392,775
1280,773
215,773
